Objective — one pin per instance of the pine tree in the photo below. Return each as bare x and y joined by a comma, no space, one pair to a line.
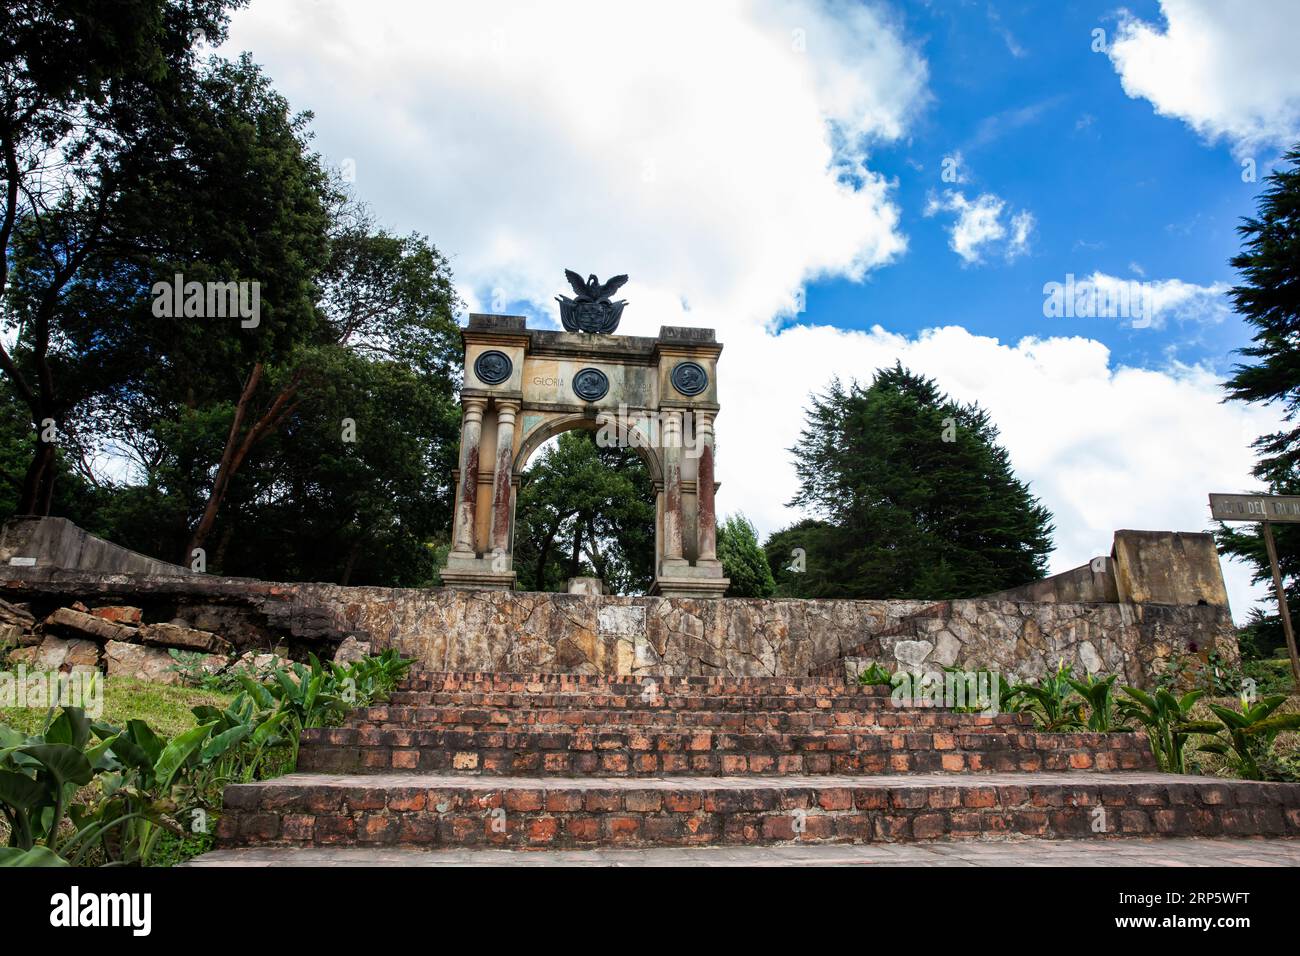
916,497
1268,298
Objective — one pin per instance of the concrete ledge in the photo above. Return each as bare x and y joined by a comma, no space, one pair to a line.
57,543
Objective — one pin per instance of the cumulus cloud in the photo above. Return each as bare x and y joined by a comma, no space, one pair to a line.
1140,303
1103,445
979,225
723,175
716,151
1225,67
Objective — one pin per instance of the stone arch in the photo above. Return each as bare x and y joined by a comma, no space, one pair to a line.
544,432
524,386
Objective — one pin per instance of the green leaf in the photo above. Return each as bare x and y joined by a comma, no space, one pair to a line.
20,791
258,692
144,737
267,728
65,763
1230,717
131,754
37,856
223,741
1274,725
177,752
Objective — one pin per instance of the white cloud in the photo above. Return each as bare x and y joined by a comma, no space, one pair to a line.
1104,446
713,151
979,225
1022,224
1227,68
1142,303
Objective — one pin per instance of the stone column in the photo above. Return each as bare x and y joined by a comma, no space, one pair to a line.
672,442
471,433
706,522
500,541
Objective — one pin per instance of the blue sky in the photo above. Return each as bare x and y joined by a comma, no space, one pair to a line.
772,169
1038,119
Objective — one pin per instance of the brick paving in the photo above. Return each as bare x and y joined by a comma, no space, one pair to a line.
1145,852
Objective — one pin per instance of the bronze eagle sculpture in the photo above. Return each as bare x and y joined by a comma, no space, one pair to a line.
591,310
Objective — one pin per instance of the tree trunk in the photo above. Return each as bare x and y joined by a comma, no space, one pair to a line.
539,579
577,548
38,483
237,449
351,563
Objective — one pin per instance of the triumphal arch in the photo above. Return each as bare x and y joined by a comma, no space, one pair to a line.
657,396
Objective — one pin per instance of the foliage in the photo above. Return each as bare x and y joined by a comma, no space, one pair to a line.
1052,700
166,708
873,675
1270,676
315,444
585,510
139,788
1168,722
1268,299
743,561
317,695
1247,735
242,738
39,774
1008,696
92,95
1098,695
914,495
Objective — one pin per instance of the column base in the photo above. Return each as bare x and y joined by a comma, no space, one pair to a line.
686,581
464,570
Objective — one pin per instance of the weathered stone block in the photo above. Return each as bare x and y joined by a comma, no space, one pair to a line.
182,638
65,622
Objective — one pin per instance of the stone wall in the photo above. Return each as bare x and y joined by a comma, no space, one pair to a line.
1030,639
451,629
1144,567
57,543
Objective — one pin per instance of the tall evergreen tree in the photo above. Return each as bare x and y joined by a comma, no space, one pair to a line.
1268,298
917,497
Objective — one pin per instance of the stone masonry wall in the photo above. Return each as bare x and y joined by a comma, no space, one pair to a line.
450,629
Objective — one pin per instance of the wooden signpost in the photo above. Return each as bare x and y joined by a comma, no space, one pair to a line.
1267,510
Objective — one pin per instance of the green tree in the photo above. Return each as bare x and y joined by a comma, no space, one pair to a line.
231,433
743,561
918,498
585,510
81,82
801,559
1268,298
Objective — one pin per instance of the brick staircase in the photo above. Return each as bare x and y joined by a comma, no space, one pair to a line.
571,761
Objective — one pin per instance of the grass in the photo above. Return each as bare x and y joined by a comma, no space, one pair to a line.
164,707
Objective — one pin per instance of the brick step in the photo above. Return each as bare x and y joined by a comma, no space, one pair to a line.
637,753
848,700
753,722
436,810
470,718
634,685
